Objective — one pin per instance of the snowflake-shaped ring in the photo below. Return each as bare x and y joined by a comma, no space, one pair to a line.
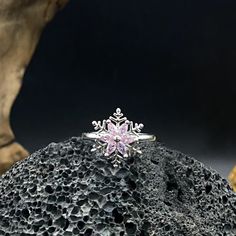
117,137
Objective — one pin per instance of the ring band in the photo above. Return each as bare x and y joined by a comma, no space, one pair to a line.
117,137
141,137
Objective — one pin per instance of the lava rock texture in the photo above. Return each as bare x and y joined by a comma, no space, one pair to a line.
64,189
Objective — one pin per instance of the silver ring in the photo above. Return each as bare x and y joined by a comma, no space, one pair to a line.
117,137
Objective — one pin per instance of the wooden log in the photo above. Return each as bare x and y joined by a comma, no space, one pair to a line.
232,178
21,24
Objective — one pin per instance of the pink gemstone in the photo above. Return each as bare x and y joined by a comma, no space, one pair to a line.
117,138
111,147
123,129
121,148
106,138
128,139
112,129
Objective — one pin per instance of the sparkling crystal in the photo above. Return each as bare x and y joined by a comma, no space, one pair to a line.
123,129
111,147
121,148
117,138
112,129
116,135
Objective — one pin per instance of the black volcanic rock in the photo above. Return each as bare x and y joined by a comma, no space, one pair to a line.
64,189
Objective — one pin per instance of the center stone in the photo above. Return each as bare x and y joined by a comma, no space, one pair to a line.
117,138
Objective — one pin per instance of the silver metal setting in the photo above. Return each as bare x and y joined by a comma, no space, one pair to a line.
117,137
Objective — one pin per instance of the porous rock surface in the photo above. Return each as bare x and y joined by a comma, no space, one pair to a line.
64,189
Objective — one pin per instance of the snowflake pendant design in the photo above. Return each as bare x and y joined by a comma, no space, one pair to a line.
116,136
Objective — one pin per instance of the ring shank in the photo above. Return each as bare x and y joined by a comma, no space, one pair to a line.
140,137
92,135
148,137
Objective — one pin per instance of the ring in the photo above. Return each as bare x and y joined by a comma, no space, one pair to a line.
117,137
